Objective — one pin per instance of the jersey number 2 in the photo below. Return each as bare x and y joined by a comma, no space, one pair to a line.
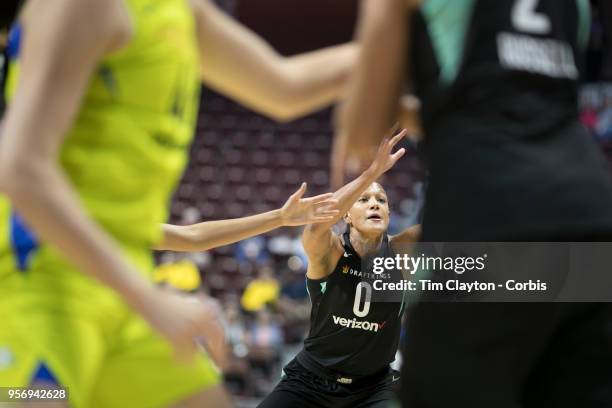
526,19
362,312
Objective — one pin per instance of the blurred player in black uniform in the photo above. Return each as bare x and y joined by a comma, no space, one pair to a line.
354,332
508,160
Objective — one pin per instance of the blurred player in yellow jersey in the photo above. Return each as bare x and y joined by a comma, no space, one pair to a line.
103,102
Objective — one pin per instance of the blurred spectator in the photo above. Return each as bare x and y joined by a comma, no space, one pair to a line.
265,341
182,274
265,334
252,249
294,305
236,332
604,123
288,244
588,116
191,215
395,223
596,109
411,207
263,290
294,285
281,245
236,369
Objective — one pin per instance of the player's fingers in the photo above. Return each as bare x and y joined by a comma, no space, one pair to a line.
383,151
393,130
300,192
326,209
327,197
398,155
398,137
384,145
327,214
325,206
319,219
331,205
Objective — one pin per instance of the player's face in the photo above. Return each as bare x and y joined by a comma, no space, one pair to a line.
370,213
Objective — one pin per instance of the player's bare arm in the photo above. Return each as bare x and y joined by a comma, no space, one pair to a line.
207,235
322,246
238,63
374,90
409,116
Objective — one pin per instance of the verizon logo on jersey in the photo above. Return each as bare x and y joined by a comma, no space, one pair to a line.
356,324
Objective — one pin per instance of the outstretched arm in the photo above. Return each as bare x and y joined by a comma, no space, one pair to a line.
239,64
374,90
318,239
212,234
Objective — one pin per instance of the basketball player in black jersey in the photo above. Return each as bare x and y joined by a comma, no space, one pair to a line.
352,339
508,161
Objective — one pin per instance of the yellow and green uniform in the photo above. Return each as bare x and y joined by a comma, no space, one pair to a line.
123,155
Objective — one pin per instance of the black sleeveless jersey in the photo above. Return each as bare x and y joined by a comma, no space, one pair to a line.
354,329
503,143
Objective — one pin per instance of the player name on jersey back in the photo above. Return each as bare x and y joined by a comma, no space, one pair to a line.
548,57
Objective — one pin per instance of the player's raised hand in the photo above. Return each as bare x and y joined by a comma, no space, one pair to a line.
311,210
347,160
385,157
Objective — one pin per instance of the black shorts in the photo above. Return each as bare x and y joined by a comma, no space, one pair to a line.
300,387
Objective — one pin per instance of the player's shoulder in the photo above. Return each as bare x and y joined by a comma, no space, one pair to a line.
336,250
409,235
108,20
324,266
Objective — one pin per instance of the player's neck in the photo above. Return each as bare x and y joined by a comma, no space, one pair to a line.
365,245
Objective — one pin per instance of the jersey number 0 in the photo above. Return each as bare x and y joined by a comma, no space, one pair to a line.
359,291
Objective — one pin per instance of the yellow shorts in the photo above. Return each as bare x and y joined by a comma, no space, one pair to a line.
111,359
